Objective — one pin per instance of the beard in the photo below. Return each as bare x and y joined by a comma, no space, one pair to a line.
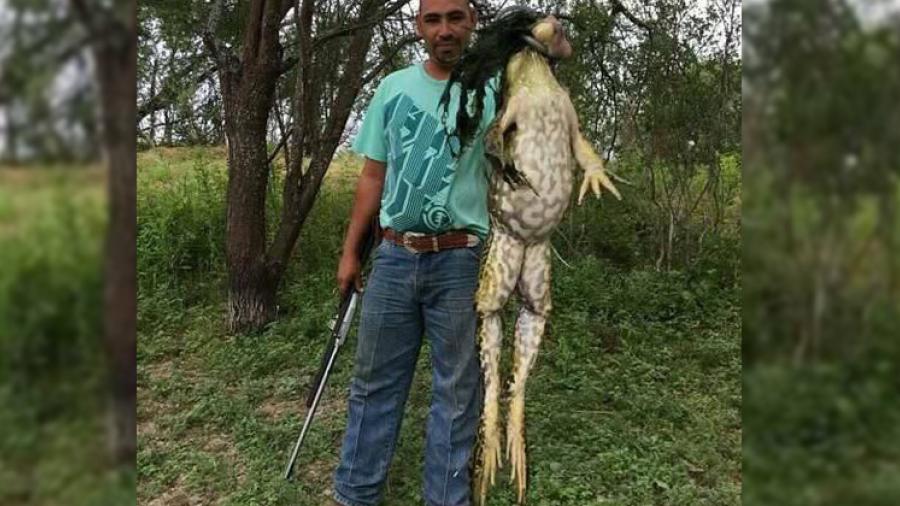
447,53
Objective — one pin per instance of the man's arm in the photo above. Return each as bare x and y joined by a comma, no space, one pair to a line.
365,205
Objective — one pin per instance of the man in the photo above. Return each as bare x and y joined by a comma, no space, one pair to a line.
433,209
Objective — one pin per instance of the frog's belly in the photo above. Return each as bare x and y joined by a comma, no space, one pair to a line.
533,214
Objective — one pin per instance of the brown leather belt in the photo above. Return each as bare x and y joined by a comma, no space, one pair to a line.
421,243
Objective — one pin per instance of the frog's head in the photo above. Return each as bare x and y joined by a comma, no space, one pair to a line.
548,36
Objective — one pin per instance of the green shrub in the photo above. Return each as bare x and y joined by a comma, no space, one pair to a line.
820,431
52,364
181,221
51,285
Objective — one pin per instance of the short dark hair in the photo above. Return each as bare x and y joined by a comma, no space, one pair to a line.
475,4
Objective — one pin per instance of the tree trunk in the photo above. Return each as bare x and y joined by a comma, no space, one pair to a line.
12,131
12,136
116,73
167,129
887,230
251,289
310,137
167,111
153,73
248,90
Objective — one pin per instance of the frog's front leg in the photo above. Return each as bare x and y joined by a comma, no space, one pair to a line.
534,289
594,170
497,280
495,145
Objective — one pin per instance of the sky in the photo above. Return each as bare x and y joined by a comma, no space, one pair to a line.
874,12
871,12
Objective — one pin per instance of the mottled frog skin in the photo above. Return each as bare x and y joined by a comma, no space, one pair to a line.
538,133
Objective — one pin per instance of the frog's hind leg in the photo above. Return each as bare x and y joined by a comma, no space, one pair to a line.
497,280
534,288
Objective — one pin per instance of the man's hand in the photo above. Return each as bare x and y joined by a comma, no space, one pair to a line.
348,274
365,209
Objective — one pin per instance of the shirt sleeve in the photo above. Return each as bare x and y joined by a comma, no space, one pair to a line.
371,140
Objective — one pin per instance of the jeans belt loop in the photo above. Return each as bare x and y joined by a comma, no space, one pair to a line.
434,243
407,243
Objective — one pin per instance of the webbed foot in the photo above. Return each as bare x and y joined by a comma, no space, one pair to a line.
593,179
515,445
490,455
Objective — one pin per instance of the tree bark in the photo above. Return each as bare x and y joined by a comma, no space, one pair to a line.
153,73
115,53
250,287
248,92
12,128
168,108
248,89
12,136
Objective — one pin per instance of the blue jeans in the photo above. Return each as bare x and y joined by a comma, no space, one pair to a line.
410,294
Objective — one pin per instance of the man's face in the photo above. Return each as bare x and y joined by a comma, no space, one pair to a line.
445,26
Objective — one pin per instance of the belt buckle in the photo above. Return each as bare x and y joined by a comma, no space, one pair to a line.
407,240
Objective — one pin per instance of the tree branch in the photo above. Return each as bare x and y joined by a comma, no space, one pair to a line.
169,91
378,18
281,143
404,42
215,48
618,7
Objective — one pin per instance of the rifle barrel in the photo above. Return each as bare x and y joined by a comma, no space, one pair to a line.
344,319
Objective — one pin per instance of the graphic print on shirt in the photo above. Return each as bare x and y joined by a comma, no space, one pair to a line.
424,166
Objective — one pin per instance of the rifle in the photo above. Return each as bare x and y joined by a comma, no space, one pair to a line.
340,327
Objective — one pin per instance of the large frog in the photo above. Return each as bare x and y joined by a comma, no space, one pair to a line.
534,143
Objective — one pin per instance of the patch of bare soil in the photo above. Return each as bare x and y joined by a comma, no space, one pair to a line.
222,446
330,406
159,371
178,495
317,474
276,409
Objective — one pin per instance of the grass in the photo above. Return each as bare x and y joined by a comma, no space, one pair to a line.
828,433
51,364
635,398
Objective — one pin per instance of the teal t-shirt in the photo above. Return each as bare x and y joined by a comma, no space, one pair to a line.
426,189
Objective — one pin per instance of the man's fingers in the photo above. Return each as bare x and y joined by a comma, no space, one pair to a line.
355,282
